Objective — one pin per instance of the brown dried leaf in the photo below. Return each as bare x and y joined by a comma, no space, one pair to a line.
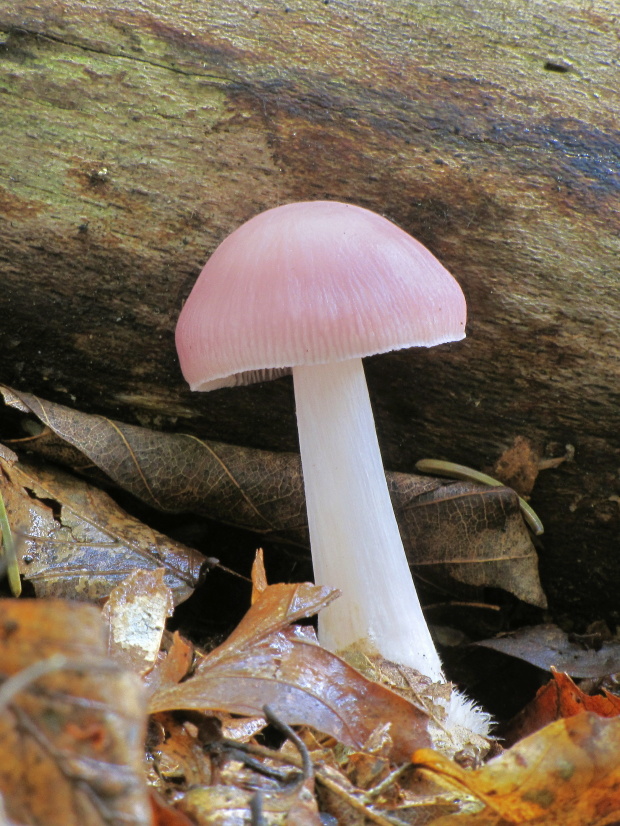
461,532
259,575
264,662
518,466
567,774
136,614
468,533
72,739
76,542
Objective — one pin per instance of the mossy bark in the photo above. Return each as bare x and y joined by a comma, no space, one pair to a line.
135,136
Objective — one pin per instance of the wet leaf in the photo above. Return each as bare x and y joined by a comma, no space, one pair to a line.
567,774
136,614
547,646
72,738
453,533
559,698
266,662
74,541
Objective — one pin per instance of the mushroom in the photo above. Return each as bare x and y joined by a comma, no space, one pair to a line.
313,287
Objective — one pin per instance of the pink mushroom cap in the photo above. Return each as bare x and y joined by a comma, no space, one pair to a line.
311,283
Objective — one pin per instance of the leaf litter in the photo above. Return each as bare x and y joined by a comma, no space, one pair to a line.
359,752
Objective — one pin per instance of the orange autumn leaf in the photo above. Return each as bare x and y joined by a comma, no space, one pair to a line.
567,774
559,698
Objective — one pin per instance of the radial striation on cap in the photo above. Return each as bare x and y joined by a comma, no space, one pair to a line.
310,283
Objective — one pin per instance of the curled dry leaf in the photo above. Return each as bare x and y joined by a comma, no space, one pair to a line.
266,662
76,542
72,738
567,774
461,533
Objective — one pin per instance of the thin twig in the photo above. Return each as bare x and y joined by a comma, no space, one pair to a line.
256,809
306,762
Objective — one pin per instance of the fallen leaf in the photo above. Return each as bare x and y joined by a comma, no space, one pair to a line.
72,735
559,698
547,646
467,533
136,614
518,466
266,662
567,774
215,776
75,542
453,533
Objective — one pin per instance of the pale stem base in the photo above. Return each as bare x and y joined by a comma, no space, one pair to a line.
356,544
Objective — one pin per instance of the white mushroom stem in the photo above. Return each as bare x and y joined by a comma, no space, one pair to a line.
355,541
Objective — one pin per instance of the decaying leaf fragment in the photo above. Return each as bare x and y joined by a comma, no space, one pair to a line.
75,542
453,533
264,661
567,774
72,737
136,614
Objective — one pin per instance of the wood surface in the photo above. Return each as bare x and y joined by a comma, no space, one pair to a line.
136,135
